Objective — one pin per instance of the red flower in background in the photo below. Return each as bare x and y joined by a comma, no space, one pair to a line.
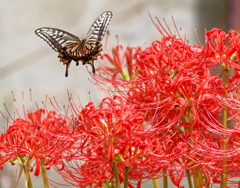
118,63
40,135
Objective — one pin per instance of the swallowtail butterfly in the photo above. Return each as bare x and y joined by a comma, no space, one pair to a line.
71,47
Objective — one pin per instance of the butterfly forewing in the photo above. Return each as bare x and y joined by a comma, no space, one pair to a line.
99,27
57,38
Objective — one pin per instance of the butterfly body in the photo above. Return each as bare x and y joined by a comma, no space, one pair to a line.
70,47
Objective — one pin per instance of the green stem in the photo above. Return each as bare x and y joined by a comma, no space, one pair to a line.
224,175
155,183
187,171
126,177
195,178
206,181
44,174
189,179
29,178
165,180
195,173
200,177
117,182
29,182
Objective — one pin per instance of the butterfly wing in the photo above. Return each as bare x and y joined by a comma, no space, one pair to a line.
68,45
92,46
99,27
59,39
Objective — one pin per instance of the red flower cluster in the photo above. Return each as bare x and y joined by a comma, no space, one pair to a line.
183,105
82,149
40,137
115,131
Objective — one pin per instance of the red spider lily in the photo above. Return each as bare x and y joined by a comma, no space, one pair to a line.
119,63
165,87
114,131
175,91
41,136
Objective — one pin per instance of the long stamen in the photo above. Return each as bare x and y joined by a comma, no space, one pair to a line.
15,105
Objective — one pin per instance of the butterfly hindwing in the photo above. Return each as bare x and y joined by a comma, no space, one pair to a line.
71,47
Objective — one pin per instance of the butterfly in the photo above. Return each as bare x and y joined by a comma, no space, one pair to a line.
70,47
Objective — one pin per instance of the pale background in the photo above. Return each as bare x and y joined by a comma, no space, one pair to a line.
27,62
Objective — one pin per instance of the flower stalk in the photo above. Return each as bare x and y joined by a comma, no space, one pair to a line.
195,169
156,183
206,181
224,175
44,174
27,178
117,181
165,180
189,179
126,177
200,177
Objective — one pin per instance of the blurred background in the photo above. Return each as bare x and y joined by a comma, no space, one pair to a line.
27,62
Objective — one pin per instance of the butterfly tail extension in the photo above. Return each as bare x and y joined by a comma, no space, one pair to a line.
67,63
91,62
66,73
